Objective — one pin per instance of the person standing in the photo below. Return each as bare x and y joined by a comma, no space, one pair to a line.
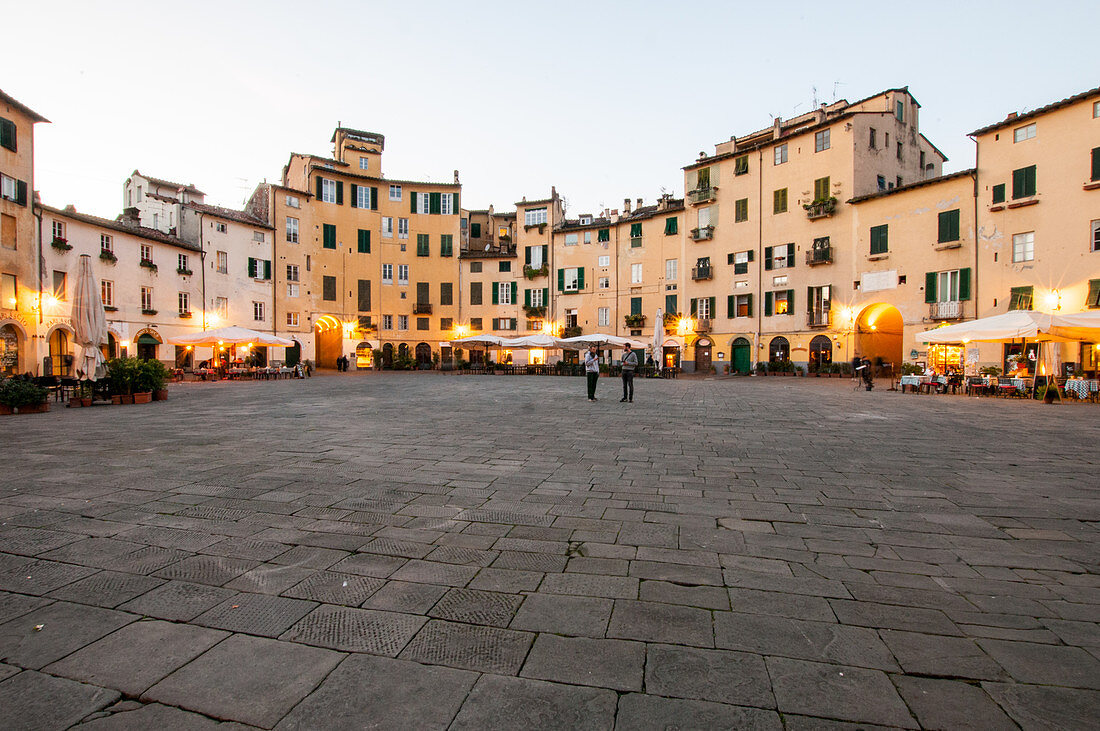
629,363
592,371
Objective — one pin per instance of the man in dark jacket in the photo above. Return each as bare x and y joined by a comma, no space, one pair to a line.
629,363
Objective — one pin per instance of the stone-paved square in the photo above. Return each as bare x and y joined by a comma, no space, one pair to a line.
486,550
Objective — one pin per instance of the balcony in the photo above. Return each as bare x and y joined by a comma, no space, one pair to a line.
702,195
702,325
822,255
817,318
572,332
422,308
486,249
701,273
703,233
634,321
820,209
945,310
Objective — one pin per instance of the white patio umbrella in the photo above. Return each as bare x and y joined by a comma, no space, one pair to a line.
479,340
998,328
581,342
540,341
89,321
231,335
658,339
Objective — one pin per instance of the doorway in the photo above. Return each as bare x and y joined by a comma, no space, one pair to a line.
741,356
387,355
702,355
821,352
423,356
879,331
293,354
147,346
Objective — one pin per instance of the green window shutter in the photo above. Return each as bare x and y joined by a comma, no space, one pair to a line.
768,257
1092,300
495,288
750,305
1030,180
7,134
1023,182
999,193
364,241
251,268
412,202
527,256
561,280
768,297
526,298
694,307
423,244
320,186
670,304
713,305
434,205
880,239
790,301
374,198
354,196
328,239
546,298
635,230
545,261
730,307
635,305
447,244
267,269
930,280
514,287
475,229
454,204
790,255
339,193
604,234
21,192
750,253
964,284
671,226
1096,163
580,278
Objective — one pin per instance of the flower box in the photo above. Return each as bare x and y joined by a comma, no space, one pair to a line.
148,265
61,244
160,394
148,312
108,256
143,397
184,272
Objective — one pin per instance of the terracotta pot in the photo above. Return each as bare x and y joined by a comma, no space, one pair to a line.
161,395
116,399
127,398
86,402
33,408
6,409
143,397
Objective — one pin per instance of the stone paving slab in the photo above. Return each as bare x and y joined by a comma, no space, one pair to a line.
755,548
33,701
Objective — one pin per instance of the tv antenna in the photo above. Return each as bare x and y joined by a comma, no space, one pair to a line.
814,90
836,84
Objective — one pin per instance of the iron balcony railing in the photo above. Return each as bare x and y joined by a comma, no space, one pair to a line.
702,195
822,255
945,310
703,233
817,318
703,272
422,308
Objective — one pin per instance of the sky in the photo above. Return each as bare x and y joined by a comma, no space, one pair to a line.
604,100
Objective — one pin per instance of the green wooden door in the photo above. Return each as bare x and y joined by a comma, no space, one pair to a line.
740,357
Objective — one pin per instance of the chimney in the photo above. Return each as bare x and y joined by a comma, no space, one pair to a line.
626,206
553,192
456,177
639,207
777,128
1011,115
662,202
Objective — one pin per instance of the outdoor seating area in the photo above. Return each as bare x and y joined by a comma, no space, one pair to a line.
242,373
560,368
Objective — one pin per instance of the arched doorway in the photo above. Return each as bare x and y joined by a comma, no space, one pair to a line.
147,346
293,354
60,361
11,350
110,349
879,331
328,337
741,356
779,350
821,352
364,355
403,351
423,356
702,355
387,355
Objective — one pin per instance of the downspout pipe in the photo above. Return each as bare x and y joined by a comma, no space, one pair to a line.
977,176
759,262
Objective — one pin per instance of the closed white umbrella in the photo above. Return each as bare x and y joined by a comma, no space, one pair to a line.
89,321
658,339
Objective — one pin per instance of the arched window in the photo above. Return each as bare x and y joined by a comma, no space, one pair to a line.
821,351
779,350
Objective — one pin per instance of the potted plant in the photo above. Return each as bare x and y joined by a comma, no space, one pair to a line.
83,395
22,396
635,320
120,376
108,256
60,243
148,264
155,377
531,273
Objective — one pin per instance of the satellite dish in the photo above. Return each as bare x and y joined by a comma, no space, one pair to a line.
487,247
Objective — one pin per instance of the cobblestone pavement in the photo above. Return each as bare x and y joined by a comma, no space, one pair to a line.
426,551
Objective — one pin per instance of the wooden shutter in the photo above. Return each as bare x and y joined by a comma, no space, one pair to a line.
810,300
768,257
790,255
320,187
364,295
412,202
475,293
328,239
434,204
354,195
580,278
930,286
964,284
749,297
446,296
527,256
251,268
7,134
545,261
374,198
670,304
423,296
475,229
339,192
21,192
730,307
603,234
768,297
999,193
454,203
526,298
790,302
561,280
495,288
713,306
514,288
694,307
364,241
635,305
267,269
635,230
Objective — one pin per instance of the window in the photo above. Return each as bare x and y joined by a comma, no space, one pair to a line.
402,322
570,239
362,196
328,190
223,262
603,234
446,323
741,165
1023,182
739,305
184,301
395,192
156,223
1020,298
475,293
181,263
423,245
446,294
387,274
13,190
219,227
534,216
775,257
402,228
387,322
603,316
780,281
635,235
106,244
882,182
1026,132
292,274
588,237
292,230
328,236
1095,235
535,256
604,261
704,216
1096,164
1096,110
873,141
146,298
821,141
949,286
403,275
8,237
880,243
221,307
387,227
258,236
604,282
741,210
701,308
8,134
671,226
537,297
949,226
475,267
58,230
292,289
475,323
328,288
779,201
504,293
899,155
292,319
293,202
446,245
821,189
106,293
504,266
259,268
899,110
635,273
670,269
1023,246
146,252
364,163
570,280
781,154
780,302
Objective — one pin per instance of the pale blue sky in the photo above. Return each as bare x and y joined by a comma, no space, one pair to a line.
603,100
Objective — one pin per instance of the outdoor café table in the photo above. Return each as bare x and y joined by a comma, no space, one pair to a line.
1082,389
913,381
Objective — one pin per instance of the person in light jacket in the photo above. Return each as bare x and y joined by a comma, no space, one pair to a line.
592,371
629,363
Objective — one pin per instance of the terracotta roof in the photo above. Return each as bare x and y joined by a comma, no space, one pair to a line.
675,205
920,184
134,230
168,183
535,203
1035,113
229,214
381,181
369,136
165,198
288,189
22,107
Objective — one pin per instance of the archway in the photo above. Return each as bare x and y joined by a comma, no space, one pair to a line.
110,348
147,346
364,355
741,356
328,338
12,349
60,360
423,356
403,351
387,355
293,354
821,352
879,330
779,351
702,355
